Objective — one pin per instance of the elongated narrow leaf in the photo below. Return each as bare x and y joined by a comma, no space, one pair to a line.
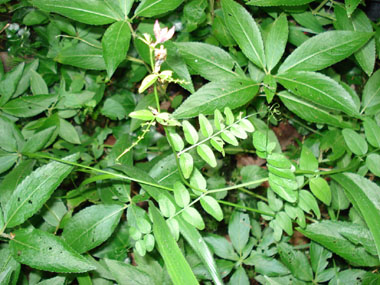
327,234
93,12
276,40
177,266
296,261
189,232
196,241
244,30
29,106
35,190
45,251
150,8
217,95
83,56
324,50
311,112
371,95
319,89
372,132
365,196
209,61
91,226
266,3
115,45
9,83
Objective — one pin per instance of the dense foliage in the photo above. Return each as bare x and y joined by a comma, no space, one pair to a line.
189,141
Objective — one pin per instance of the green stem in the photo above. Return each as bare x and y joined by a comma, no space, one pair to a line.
316,10
115,175
253,194
245,208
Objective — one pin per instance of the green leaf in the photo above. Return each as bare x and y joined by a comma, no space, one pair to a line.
366,56
244,30
371,95
145,115
229,137
35,190
285,222
181,195
327,234
81,55
266,3
37,84
9,267
372,132
321,189
217,95
193,217
7,160
206,153
238,229
176,140
372,162
115,43
308,160
45,251
221,247
307,202
318,257
266,265
68,132
309,21
38,140
211,206
276,40
319,89
186,163
127,274
209,61
13,178
296,261
92,12
339,200
167,208
91,226
9,84
191,134
24,81
148,81
351,6
324,50
239,277
29,106
310,111
355,142
150,8
205,126
126,6
178,268
365,196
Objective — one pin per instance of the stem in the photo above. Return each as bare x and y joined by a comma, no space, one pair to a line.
253,194
238,186
115,175
245,208
80,39
316,10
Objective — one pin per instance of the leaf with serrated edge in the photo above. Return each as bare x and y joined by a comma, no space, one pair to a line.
244,30
45,251
324,50
35,190
91,226
231,93
320,89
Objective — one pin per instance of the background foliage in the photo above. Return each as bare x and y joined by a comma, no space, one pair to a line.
244,149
